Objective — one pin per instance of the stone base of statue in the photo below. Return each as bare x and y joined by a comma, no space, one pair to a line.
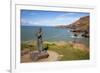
36,55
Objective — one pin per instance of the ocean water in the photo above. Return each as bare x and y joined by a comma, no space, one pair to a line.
51,34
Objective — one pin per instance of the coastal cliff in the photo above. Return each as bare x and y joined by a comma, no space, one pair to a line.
81,25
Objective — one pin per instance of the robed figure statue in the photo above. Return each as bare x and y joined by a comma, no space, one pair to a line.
42,52
39,40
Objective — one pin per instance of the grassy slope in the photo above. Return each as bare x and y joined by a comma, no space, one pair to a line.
67,51
82,24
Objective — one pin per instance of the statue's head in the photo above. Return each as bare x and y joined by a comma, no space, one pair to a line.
40,29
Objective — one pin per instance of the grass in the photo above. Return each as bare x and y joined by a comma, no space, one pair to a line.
67,51
27,46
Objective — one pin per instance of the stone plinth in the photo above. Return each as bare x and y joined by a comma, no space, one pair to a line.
35,55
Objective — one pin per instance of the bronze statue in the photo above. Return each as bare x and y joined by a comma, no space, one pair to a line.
39,40
42,52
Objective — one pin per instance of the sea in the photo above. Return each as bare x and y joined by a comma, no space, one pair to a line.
51,33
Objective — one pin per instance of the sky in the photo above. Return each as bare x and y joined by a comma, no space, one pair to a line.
49,18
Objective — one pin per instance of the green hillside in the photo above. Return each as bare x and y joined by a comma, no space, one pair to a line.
81,25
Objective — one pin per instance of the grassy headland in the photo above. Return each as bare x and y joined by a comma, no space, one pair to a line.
66,50
79,26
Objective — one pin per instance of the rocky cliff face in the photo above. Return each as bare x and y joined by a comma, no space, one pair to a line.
81,25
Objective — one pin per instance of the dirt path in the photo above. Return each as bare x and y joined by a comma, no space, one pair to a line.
53,56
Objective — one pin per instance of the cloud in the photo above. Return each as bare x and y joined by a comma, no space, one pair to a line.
35,23
26,22
62,19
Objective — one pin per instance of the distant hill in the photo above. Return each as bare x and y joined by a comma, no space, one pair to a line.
81,25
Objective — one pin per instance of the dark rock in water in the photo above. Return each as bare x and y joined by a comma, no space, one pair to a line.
75,35
77,30
35,55
85,35
81,26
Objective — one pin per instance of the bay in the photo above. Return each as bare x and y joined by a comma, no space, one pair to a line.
51,33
